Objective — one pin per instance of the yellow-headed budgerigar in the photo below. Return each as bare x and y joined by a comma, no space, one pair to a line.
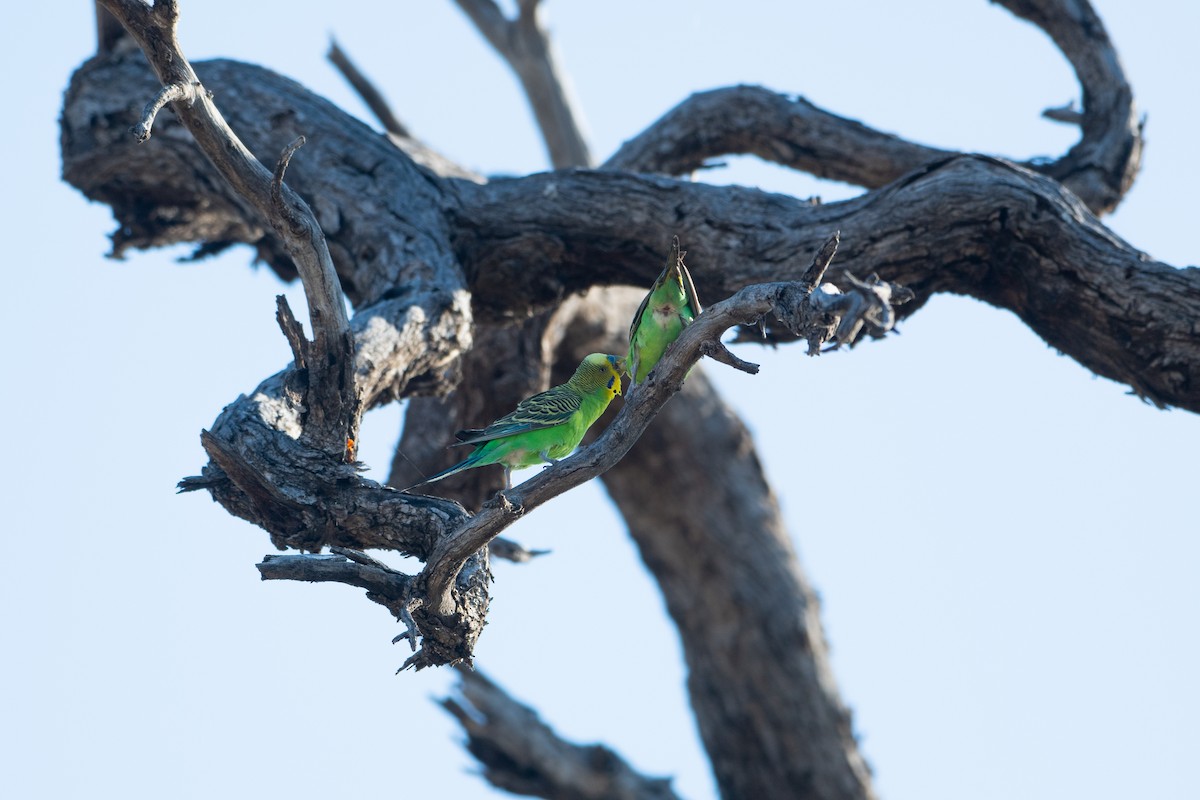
670,307
545,427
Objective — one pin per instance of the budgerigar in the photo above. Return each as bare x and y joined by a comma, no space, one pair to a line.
545,427
670,307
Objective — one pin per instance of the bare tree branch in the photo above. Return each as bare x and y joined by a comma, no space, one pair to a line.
1102,166
512,551
334,409
783,129
773,726
397,133
366,90
109,32
522,754
384,585
525,46
795,133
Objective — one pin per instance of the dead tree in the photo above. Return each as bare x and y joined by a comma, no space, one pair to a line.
451,274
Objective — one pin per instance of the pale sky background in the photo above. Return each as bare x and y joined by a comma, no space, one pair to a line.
1006,546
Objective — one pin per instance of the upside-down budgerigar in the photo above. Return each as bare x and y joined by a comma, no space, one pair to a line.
667,309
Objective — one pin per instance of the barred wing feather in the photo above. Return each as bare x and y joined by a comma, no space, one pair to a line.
552,407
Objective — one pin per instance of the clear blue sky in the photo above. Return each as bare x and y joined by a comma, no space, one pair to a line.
1014,615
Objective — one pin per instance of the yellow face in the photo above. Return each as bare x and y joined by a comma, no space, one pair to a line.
604,371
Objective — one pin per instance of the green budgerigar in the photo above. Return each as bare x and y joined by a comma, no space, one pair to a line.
545,427
670,307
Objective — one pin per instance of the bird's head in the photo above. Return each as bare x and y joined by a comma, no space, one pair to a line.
599,371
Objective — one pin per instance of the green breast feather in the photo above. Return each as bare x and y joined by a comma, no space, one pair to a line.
668,308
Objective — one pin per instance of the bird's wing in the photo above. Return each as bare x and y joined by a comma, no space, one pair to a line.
551,407
689,289
637,316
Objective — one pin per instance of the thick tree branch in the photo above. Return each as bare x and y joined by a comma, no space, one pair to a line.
1102,166
523,755
753,120
774,726
783,129
1003,235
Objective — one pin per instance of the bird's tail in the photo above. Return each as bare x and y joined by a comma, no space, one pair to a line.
465,464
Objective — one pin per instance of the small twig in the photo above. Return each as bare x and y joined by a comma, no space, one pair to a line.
366,90
293,331
412,631
359,557
509,550
285,211
1065,113
812,276
717,351
167,94
866,304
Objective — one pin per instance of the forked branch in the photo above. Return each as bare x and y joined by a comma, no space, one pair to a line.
334,426
793,132
524,755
